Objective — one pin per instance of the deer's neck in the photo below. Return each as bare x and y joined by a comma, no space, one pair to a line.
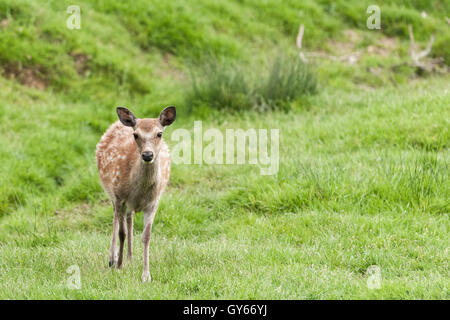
146,174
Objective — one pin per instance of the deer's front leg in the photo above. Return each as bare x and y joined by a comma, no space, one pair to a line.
115,234
149,216
130,234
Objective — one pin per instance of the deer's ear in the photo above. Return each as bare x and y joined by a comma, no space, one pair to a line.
167,116
126,116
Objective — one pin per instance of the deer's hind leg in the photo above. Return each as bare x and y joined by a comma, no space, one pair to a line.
122,236
119,230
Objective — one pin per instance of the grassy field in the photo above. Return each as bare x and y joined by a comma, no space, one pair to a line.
364,158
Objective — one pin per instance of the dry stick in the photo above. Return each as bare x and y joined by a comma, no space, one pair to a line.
299,43
412,49
416,56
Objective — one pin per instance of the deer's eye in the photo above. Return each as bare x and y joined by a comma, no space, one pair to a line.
135,136
159,134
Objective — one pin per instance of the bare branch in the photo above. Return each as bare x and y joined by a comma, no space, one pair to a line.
412,49
427,50
302,56
299,43
300,36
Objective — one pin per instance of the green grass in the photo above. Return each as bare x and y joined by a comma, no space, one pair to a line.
363,181
364,162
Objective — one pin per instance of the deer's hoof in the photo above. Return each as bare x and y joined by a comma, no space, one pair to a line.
113,260
146,277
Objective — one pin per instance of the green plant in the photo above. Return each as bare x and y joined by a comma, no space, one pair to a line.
221,85
288,79
227,85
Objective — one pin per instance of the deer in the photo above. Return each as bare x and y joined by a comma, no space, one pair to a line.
134,168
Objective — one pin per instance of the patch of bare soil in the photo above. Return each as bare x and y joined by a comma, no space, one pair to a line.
81,63
347,51
30,76
384,47
347,46
342,51
4,23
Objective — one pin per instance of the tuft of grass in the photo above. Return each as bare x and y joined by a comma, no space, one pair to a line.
226,85
289,79
221,86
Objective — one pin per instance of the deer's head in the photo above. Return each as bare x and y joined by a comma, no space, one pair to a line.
147,132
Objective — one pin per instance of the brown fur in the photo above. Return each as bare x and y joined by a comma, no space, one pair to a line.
132,184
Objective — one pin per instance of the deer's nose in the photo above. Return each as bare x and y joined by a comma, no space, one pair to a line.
147,156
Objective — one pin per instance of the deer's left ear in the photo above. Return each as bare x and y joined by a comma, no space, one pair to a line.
167,116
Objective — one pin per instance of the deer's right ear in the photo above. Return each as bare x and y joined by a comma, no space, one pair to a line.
126,117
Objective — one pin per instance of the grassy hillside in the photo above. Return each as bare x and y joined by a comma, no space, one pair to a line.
364,159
